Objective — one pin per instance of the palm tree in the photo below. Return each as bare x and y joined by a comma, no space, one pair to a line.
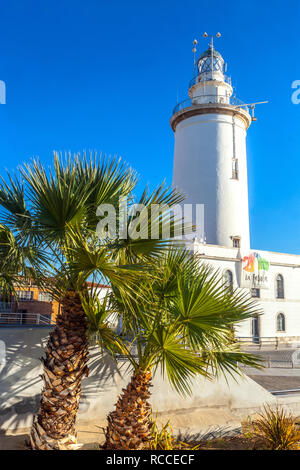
21,259
183,326
12,263
55,210
19,263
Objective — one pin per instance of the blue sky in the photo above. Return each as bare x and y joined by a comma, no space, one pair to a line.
106,75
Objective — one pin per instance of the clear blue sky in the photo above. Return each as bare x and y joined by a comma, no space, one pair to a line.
93,74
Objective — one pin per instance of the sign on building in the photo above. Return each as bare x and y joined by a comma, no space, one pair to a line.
255,272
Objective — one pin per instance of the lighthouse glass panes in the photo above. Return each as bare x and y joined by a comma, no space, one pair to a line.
208,65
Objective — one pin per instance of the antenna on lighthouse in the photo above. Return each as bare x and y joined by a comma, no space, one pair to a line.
252,105
218,35
194,50
195,42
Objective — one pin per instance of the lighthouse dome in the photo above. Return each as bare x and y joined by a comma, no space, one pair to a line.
210,61
208,53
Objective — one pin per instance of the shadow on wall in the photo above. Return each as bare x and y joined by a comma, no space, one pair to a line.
102,385
219,402
20,382
20,376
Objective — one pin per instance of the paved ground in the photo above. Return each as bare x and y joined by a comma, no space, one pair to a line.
277,382
90,435
281,375
13,441
278,371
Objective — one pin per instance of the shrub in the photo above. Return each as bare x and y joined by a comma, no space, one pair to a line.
276,428
162,439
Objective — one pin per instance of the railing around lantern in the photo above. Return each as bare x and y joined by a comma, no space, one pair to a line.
210,99
198,80
24,319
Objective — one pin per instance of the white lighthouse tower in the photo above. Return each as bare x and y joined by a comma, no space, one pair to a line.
210,160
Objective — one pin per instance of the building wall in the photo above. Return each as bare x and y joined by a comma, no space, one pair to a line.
35,305
287,265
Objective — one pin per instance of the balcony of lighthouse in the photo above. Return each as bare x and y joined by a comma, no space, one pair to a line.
212,76
208,96
210,99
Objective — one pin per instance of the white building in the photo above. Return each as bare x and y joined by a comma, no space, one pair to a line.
210,167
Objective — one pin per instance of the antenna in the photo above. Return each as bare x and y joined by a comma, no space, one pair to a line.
218,35
194,50
252,105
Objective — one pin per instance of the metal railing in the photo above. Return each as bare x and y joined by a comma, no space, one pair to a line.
198,79
272,351
210,99
259,341
5,306
25,319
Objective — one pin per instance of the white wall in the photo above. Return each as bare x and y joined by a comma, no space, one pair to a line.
286,264
203,171
211,403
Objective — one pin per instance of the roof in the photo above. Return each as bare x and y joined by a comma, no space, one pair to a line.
208,52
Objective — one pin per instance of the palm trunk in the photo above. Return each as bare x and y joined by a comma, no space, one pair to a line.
129,426
64,365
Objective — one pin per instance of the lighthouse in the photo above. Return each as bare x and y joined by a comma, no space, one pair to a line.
210,159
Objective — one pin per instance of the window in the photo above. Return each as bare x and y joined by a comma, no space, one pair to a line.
255,292
236,242
235,169
45,297
279,287
255,329
228,277
280,322
25,295
5,306
208,65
